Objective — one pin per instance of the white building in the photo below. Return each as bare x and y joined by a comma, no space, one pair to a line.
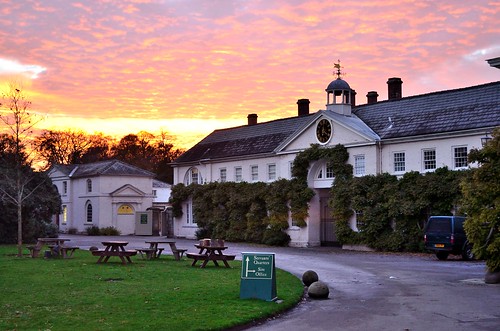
417,133
107,193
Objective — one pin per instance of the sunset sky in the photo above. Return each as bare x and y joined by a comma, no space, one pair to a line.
191,66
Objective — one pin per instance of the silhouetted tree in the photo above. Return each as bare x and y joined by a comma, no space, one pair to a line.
17,179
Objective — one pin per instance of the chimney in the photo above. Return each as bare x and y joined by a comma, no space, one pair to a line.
394,88
353,98
303,106
372,97
252,119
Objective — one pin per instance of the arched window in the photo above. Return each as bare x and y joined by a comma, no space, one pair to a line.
88,210
326,171
193,176
89,185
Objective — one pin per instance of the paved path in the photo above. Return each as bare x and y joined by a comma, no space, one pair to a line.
372,291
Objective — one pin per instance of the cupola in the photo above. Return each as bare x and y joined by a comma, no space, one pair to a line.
338,94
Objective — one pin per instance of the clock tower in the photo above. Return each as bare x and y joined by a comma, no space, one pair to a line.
338,94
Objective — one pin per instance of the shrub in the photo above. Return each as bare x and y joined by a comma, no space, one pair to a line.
93,231
109,231
51,230
275,237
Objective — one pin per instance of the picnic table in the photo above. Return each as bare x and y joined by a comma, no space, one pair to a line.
154,251
114,248
213,252
57,247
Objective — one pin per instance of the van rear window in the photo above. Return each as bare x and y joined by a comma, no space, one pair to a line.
439,225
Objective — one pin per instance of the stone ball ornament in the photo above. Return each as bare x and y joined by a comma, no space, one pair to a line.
318,290
309,277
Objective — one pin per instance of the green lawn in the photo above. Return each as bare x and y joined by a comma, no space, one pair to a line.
163,294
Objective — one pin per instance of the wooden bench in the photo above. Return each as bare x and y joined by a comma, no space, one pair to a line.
147,253
67,251
196,257
205,258
123,255
117,253
34,250
178,252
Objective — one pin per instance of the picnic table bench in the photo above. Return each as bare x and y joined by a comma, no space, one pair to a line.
114,248
210,253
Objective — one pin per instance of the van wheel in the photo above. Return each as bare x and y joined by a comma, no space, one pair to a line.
467,253
442,255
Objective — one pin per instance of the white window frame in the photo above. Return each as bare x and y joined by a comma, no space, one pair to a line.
359,165
89,185
238,174
65,187
193,176
428,160
64,214
254,173
89,212
223,175
189,213
271,172
459,160
399,159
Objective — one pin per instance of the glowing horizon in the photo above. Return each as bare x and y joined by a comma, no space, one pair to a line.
189,67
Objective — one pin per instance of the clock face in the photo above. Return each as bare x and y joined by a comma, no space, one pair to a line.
323,131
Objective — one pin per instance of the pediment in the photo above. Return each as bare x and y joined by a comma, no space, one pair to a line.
346,130
127,191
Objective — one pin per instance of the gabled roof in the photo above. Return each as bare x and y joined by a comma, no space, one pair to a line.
260,138
439,112
462,109
103,168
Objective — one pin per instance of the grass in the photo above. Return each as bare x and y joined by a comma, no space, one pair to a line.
163,294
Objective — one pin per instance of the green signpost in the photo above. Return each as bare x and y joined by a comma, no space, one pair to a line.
258,276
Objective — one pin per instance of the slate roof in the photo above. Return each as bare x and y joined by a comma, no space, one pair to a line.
103,168
439,112
244,140
462,109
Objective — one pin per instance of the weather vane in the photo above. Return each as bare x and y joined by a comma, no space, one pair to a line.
337,71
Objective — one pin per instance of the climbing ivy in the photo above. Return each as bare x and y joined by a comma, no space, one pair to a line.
251,212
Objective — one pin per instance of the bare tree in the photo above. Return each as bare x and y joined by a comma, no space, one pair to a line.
15,188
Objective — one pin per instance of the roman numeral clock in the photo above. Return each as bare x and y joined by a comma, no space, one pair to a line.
324,131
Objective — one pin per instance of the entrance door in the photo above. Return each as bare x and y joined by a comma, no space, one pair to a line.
328,236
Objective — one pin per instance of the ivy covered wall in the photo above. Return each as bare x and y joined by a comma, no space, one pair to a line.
391,212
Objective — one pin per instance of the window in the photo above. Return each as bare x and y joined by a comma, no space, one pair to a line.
399,162
238,177
359,165
254,172
326,171
89,212
360,220
89,185
189,213
429,159
64,214
125,210
155,194
193,176
329,170
460,157
222,175
65,187
271,171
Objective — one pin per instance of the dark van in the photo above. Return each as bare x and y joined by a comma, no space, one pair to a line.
445,235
